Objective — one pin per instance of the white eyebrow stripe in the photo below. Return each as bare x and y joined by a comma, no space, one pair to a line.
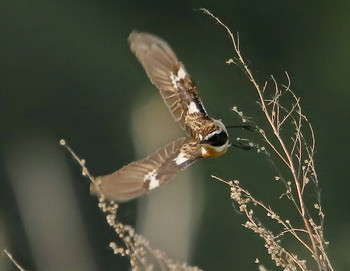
213,133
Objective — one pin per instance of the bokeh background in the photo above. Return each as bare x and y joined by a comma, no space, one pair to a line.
67,72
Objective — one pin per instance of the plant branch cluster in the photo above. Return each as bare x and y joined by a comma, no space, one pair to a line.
142,256
296,153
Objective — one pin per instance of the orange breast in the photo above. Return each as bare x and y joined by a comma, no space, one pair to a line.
210,151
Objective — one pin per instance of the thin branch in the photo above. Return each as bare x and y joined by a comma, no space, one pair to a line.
80,161
287,155
14,261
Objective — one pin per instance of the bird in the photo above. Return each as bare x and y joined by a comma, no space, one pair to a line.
205,137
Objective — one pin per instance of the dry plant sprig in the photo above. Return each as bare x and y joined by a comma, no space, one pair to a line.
9,255
279,255
296,153
142,256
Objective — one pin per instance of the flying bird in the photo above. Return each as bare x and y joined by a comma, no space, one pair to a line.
206,137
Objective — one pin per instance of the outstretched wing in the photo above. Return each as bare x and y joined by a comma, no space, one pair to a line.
168,74
144,175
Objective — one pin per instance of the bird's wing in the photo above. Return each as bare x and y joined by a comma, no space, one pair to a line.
142,176
169,75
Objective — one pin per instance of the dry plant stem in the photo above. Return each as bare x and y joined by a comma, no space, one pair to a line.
278,254
13,260
287,226
80,161
286,155
110,209
141,255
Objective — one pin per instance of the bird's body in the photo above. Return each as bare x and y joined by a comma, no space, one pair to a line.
206,137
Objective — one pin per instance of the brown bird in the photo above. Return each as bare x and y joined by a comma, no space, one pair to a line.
206,137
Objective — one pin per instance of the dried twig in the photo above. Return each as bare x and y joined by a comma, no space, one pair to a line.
141,255
9,255
296,154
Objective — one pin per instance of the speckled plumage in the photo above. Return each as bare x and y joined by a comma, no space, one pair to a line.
207,137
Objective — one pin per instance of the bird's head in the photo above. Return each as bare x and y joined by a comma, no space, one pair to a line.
215,143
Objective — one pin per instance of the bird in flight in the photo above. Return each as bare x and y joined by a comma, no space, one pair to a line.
206,137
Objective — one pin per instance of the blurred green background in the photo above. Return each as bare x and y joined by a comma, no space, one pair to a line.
67,72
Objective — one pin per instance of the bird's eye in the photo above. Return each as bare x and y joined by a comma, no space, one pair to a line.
218,139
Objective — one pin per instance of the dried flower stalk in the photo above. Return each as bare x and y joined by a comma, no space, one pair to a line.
297,154
12,259
141,255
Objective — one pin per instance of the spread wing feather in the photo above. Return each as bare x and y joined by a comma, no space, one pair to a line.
168,74
141,176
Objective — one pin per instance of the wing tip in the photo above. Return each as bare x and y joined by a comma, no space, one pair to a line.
143,41
133,35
